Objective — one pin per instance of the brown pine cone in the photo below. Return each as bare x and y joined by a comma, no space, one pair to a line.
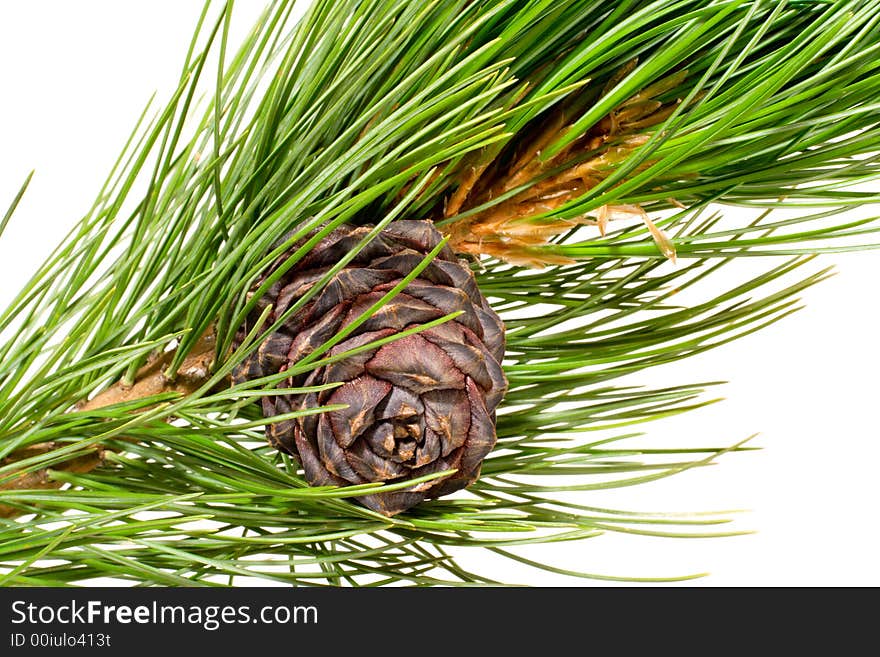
418,405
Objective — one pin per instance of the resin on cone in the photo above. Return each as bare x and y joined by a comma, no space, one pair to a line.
418,405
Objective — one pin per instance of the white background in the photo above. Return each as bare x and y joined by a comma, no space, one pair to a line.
74,77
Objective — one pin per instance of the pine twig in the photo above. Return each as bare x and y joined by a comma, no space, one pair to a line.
152,379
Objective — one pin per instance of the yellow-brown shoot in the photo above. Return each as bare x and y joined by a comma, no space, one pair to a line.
515,229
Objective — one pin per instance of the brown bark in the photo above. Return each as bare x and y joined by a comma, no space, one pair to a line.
149,380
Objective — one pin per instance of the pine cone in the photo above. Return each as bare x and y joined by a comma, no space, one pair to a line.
418,405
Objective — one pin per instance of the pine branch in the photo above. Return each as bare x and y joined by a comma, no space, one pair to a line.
149,382
522,129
